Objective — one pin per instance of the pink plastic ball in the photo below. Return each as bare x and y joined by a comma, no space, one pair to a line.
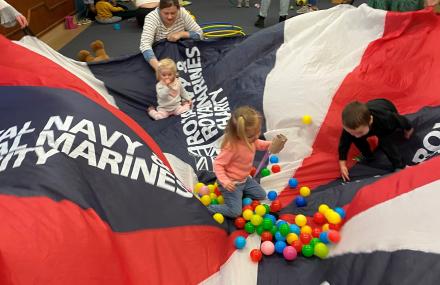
267,248
289,253
204,190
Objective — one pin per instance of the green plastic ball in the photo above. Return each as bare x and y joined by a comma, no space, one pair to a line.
267,224
307,250
260,230
314,241
249,228
265,172
284,229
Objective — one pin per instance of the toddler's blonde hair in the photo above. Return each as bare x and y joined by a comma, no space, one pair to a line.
166,64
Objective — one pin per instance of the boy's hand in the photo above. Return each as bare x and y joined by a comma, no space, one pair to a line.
344,171
229,186
408,133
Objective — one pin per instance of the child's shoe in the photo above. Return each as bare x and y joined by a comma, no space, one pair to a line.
239,2
282,19
304,9
260,22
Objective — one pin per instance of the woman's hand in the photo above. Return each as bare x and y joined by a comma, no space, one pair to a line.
344,170
174,37
22,21
229,186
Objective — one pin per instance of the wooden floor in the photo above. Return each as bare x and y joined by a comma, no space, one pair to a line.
59,36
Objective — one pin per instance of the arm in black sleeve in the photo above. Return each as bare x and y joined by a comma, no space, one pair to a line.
344,145
402,122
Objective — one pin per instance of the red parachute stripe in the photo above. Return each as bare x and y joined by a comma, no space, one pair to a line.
393,186
22,67
48,242
400,67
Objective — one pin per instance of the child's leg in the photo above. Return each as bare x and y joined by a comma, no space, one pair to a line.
284,8
181,109
391,151
111,20
364,147
157,115
233,202
253,190
264,8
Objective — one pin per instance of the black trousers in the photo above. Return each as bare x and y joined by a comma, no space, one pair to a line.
386,144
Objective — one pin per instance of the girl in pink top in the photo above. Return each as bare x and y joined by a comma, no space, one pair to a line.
233,165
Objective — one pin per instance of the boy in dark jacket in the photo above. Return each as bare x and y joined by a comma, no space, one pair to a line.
377,117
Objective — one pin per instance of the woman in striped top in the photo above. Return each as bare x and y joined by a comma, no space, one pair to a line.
170,22
9,16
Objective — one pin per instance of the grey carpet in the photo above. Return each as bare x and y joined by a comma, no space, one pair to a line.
126,40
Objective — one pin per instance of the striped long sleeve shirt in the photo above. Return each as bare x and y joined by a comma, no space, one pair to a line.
7,14
154,30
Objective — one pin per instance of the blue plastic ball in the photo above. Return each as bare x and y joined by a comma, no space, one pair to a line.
295,229
293,182
300,201
324,237
279,246
279,236
240,242
274,159
271,217
280,222
247,201
272,195
341,212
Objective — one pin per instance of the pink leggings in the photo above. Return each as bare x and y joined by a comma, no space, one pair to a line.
157,115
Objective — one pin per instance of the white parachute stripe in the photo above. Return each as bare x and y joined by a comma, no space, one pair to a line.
318,53
79,69
183,171
238,269
405,222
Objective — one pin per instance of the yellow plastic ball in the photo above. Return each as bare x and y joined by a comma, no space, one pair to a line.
256,220
220,200
213,196
300,220
247,214
323,208
306,229
325,227
260,210
219,218
306,119
304,191
333,217
291,237
211,188
206,200
198,186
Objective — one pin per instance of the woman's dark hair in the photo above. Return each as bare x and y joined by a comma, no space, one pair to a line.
168,3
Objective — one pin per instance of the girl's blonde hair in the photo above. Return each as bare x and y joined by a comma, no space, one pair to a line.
166,64
242,119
